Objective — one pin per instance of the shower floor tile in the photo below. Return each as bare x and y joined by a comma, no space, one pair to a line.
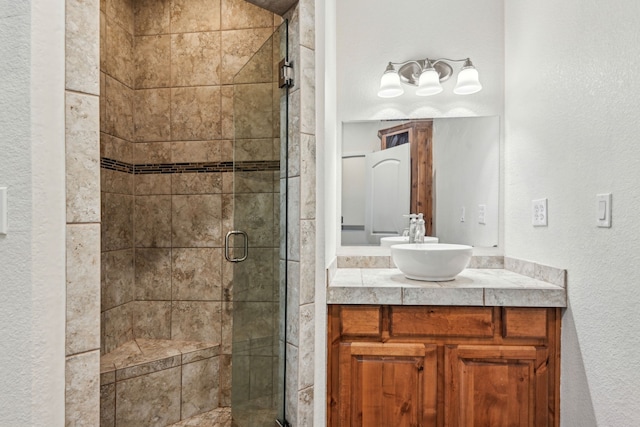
220,417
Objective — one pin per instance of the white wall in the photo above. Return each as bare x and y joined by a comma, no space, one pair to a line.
572,129
32,262
466,173
371,33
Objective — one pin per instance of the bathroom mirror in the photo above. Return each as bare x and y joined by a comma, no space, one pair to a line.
446,168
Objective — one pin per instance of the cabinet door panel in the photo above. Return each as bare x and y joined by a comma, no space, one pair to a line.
496,386
387,385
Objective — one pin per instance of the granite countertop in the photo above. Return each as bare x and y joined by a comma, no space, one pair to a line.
474,286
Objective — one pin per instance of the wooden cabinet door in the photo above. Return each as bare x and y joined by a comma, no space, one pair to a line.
496,386
387,385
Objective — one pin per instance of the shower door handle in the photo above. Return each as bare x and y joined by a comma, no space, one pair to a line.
245,238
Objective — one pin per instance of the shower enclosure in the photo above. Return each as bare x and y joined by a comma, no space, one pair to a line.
259,281
193,146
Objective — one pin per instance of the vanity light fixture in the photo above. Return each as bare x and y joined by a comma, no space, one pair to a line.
427,74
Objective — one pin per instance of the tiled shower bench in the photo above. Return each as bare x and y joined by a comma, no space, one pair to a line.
155,382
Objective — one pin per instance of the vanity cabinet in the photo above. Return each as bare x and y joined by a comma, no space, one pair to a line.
443,366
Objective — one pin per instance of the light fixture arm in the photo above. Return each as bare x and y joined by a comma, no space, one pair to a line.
409,72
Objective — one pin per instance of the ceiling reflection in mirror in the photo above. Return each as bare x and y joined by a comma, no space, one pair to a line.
446,168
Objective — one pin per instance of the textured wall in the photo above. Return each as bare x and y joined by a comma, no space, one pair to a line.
15,171
32,167
571,132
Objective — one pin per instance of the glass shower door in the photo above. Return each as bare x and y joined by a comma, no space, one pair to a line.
258,295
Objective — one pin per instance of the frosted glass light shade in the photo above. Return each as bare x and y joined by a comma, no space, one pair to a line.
390,86
429,83
468,82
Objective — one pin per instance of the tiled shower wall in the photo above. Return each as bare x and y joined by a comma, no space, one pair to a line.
301,236
168,110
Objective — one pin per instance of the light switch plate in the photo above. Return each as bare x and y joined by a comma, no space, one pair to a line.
482,214
603,210
539,213
3,210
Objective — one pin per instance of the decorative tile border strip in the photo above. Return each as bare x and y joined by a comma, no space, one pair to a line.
192,167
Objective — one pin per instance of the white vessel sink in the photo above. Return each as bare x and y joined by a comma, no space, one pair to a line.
436,262
396,240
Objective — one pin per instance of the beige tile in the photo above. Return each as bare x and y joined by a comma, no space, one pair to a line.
238,46
151,152
195,113
126,354
151,319
119,60
82,157
196,151
307,24
253,182
196,321
108,405
152,115
255,281
197,183
226,337
153,61
305,406
147,184
118,119
225,380
103,41
241,14
116,182
252,320
152,399
254,214
148,367
196,221
83,288
307,176
254,149
260,67
152,16
118,328
308,91
200,383
117,221
117,278
82,43
195,59
121,11
196,274
226,102
82,389
153,274
196,355
226,151
103,102
253,111
152,221
307,260
195,15
307,346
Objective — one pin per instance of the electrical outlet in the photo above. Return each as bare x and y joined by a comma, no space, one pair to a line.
462,214
482,213
539,213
